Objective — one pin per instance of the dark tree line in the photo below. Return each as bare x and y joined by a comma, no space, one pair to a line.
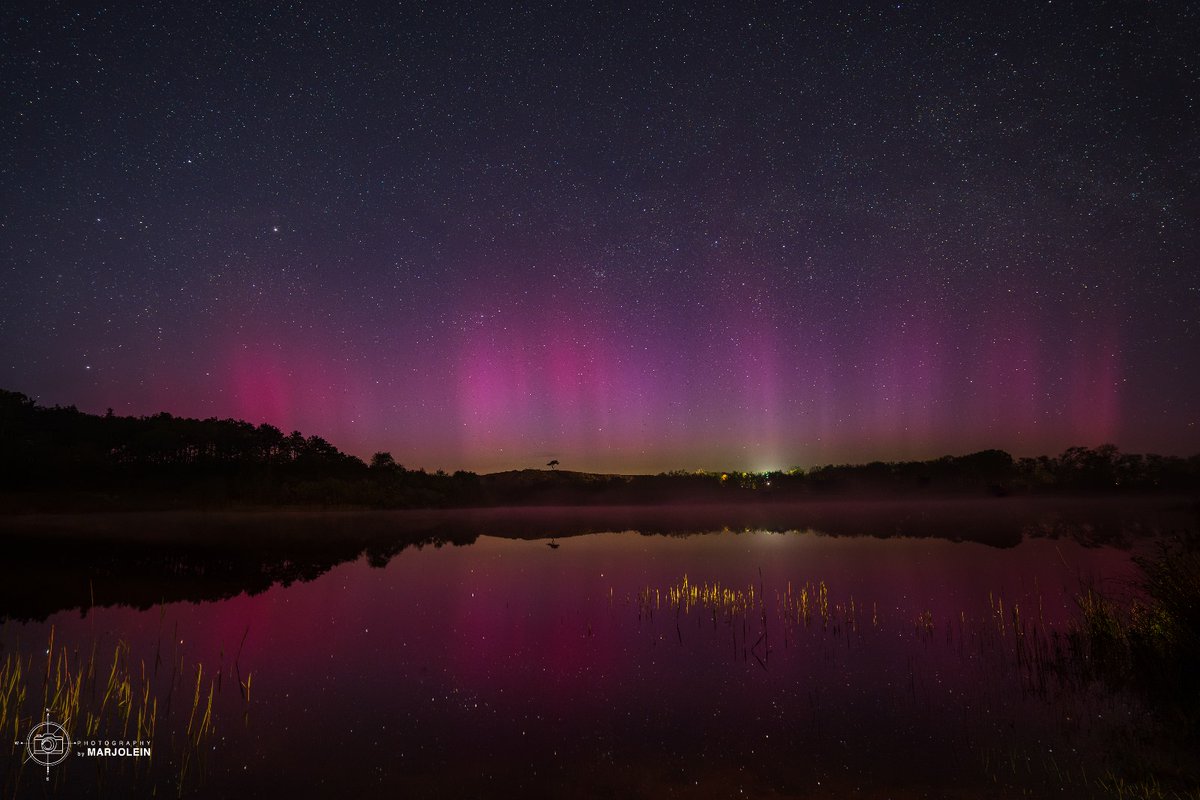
169,460
1078,470
53,455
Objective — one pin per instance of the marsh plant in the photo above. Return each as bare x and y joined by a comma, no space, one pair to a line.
1148,641
111,695
97,697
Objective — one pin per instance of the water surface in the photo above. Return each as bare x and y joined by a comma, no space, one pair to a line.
510,654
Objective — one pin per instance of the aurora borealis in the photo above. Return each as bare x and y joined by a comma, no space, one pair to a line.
630,240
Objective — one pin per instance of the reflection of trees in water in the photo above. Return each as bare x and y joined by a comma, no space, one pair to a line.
47,574
140,561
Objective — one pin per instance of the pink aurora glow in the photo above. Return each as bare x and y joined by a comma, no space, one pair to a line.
747,381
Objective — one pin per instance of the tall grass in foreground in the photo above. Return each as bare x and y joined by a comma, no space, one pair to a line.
97,697
1143,644
1150,642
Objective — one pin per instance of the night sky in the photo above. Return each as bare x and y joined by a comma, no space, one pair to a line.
630,239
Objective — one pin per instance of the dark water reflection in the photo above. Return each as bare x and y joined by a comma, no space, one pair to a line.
618,664
54,563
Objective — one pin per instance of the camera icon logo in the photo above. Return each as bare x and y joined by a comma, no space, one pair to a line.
48,743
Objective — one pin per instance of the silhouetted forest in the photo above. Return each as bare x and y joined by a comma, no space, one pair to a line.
62,458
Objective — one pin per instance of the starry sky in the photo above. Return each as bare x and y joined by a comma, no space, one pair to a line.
627,238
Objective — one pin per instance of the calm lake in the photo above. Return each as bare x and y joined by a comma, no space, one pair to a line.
840,650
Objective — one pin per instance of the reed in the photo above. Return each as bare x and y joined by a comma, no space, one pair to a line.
1150,788
105,697
12,694
1149,640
